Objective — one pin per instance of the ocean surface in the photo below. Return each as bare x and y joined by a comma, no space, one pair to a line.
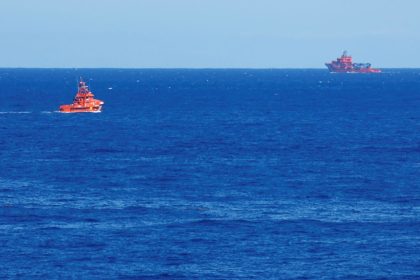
210,174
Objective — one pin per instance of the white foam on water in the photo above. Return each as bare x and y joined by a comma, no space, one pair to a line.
15,112
92,112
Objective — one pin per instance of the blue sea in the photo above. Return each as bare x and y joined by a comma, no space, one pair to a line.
210,174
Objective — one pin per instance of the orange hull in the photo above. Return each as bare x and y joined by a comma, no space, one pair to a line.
80,109
83,102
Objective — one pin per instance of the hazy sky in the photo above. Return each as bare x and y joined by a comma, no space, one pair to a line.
207,33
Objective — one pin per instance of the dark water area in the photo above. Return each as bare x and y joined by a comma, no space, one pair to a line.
210,174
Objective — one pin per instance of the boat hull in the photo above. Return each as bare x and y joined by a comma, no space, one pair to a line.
80,109
333,69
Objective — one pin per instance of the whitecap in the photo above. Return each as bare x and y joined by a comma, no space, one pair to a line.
15,112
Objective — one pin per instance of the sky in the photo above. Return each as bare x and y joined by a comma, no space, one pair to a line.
207,33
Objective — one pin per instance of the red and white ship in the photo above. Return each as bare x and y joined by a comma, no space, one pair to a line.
344,64
84,102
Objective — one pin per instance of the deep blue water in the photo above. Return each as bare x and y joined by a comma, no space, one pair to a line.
210,174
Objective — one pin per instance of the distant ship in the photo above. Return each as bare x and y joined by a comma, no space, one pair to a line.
83,102
344,64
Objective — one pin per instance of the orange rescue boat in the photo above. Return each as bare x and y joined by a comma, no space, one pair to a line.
84,102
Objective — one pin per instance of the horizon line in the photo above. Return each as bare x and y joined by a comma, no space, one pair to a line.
190,68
